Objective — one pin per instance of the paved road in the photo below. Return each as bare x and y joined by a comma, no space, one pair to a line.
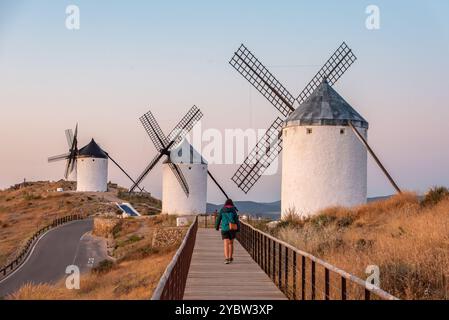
66,245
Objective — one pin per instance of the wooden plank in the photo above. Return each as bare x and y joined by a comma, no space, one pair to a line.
210,279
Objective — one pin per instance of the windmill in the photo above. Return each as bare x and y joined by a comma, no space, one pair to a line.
70,157
270,145
92,176
166,145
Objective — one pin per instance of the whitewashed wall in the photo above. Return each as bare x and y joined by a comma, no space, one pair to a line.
174,200
92,175
322,169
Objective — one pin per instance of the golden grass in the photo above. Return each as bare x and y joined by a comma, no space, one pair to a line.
128,280
23,211
134,275
407,240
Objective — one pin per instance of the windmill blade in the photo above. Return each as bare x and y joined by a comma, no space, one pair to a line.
146,171
263,80
260,158
64,156
186,124
69,136
218,185
376,159
123,170
180,177
154,131
68,168
332,70
75,140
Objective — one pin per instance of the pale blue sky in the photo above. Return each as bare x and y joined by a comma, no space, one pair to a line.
130,56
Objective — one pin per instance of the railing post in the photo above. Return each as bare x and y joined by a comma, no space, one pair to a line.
326,284
313,280
286,271
273,245
367,294
343,288
294,275
280,265
303,278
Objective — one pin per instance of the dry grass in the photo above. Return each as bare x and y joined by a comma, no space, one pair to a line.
127,280
134,274
23,211
406,238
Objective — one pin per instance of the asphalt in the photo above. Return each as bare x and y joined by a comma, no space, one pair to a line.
69,244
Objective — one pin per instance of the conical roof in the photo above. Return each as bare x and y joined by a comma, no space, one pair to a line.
92,150
325,107
193,157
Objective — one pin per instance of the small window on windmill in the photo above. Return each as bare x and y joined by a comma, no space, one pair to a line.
342,131
309,130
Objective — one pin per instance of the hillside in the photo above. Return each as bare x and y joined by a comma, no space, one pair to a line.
405,236
26,207
140,251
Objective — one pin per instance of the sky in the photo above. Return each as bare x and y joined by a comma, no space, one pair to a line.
129,57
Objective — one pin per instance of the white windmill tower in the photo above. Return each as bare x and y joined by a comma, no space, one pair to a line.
194,167
323,164
184,186
70,157
92,173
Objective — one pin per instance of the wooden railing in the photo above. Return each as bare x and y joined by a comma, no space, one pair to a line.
21,257
301,276
172,284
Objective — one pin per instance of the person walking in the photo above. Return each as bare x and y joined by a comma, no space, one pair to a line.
228,221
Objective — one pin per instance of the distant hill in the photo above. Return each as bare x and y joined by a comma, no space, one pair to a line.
268,209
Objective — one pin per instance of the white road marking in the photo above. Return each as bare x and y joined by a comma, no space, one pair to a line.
32,250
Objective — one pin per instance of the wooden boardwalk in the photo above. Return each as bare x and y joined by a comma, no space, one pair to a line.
210,279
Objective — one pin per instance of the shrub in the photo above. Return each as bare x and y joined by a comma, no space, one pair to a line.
345,222
434,196
322,220
103,267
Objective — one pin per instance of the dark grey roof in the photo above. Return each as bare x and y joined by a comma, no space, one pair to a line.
92,150
325,107
193,157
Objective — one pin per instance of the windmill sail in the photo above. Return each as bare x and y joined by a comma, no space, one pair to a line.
263,80
164,144
258,75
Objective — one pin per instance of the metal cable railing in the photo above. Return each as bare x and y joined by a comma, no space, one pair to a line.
21,257
172,284
302,276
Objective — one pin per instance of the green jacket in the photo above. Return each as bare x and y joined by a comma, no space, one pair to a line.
225,216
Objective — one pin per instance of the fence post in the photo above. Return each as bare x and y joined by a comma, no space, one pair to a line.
294,275
326,284
280,265
313,280
343,288
286,271
303,277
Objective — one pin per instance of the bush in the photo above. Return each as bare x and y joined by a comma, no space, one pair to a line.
434,196
103,267
322,220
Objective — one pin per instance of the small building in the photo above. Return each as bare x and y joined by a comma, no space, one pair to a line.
92,169
194,168
323,162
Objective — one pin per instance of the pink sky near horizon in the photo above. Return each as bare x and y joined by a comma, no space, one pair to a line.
109,73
